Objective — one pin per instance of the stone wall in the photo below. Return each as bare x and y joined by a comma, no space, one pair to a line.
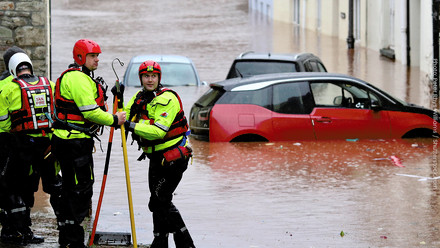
25,23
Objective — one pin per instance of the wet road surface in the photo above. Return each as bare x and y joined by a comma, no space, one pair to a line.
289,194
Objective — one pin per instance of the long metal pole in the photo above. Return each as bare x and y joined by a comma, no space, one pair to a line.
127,171
104,177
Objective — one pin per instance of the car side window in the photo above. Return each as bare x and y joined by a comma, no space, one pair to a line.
314,65
342,95
327,94
288,98
259,97
308,66
321,67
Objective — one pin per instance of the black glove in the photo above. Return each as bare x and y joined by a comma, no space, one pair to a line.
129,126
115,90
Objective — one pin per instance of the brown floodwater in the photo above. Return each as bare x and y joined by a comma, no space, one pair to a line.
287,194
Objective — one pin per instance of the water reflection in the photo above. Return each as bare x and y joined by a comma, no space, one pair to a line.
306,193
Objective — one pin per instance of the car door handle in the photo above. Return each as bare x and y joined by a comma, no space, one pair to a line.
324,119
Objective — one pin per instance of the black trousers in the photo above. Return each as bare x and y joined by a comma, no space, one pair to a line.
76,161
5,148
21,175
163,181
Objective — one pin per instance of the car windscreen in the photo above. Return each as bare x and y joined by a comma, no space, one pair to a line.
389,96
173,74
250,68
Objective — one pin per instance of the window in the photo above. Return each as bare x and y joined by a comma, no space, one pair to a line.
321,67
289,98
357,19
250,68
327,94
314,66
296,11
174,74
342,95
308,66
210,97
259,97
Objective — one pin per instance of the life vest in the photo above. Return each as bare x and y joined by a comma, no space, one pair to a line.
66,109
178,128
36,102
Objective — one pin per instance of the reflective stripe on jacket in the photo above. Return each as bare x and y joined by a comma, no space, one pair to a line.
3,82
11,102
36,106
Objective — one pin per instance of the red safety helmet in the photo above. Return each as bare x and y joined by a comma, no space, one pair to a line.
150,66
83,47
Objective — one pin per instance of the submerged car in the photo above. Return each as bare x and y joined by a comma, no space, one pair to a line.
250,63
304,106
177,70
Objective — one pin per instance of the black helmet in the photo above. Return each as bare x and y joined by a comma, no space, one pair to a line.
8,54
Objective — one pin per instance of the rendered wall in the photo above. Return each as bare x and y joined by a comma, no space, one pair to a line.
330,17
25,24
426,41
343,23
283,10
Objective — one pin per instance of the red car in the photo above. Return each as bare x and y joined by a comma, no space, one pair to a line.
305,106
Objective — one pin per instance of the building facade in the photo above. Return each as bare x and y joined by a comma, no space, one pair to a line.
399,29
26,24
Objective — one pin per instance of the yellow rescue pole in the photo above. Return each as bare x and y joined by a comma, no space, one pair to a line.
127,172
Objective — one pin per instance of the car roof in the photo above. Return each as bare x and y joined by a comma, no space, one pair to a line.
269,79
162,58
275,56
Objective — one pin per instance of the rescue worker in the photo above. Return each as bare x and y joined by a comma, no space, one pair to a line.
25,111
160,128
5,137
79,114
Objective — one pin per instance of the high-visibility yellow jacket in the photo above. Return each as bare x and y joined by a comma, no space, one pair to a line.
79,87
162,111
3,82
11,100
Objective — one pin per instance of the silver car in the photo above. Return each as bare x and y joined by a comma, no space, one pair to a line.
177,70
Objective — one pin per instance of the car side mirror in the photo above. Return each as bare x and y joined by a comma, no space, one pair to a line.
375,105
204,83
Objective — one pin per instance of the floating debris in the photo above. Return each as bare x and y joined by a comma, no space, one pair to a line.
418,146
421,177
396,161
342,234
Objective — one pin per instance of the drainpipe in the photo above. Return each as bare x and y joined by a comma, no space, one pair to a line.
49,38
435,64
350,39
408,40
404,30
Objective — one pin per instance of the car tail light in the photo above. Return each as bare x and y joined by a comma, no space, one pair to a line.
204,115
